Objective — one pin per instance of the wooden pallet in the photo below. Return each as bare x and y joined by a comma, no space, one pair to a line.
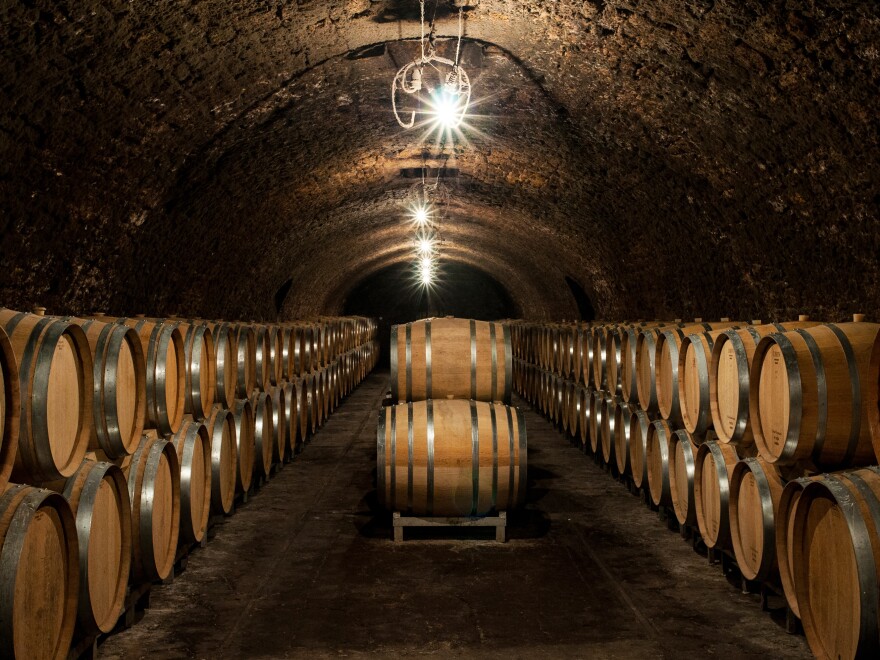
499,522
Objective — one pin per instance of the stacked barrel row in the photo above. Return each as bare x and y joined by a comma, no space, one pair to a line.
119,437
452,446
764,436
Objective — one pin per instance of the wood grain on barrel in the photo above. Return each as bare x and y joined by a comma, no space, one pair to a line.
449,357
457,468
39,595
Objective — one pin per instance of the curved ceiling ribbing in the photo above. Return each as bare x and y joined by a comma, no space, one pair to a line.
675,157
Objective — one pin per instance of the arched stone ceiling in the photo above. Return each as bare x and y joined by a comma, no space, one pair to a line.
674,157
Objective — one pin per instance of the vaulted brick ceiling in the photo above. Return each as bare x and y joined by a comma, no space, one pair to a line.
674,157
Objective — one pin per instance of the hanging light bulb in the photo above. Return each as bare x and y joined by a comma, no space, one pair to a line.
421,215
451,97
424,244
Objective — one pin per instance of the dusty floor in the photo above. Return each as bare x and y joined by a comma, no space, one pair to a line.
307,570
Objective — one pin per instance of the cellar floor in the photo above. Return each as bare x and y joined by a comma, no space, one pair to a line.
307,569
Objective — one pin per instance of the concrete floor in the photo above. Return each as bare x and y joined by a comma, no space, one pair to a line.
307,570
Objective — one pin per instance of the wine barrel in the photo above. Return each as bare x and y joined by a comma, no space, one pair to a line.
694,359
449,357
755,489
834,560
610,347
263,364
311,399
318,400
622,428
628,367
682,469
729,378
327,383
279,425
224,459
639,427
264,434
200,389
120,395
10,408
597,399
226,363
193,445
302,411
302,350
609,429
657,460
291,416
287,339
39,573
466,473
714,465
166,372
574,407
669,341
277,354
815,392
646,368
584,413
245,442
98,497
56,396
246,345
153,477
587,357
785,518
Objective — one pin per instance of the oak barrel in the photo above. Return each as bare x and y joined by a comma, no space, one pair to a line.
245,442
835,555
597,401
246,345
608,430
622,428
200,388
714,465
279,425
813,394
193,445
729,378
264,434
694,361
755,489
263,365
639,427
457,469
39,573
669,341
56,395
165,355
657,462
153,477
785,518
682,469
98,496
120,394
226,364
449,357
224,459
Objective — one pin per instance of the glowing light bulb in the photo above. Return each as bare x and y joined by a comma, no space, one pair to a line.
446,109
421,215
425,246
426,277
426,265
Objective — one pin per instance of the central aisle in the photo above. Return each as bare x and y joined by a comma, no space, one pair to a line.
307,570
